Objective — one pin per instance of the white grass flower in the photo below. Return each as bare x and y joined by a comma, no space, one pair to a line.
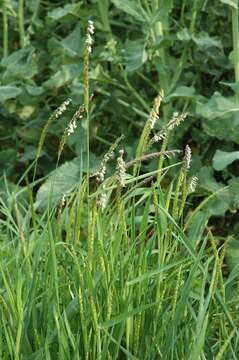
176,120
100,174
102,200
187,157
71,127
121,168
193,184
153,118
158,137
89,36
62,108
91,27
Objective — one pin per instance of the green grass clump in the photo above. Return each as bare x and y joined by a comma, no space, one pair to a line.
116,269
109,273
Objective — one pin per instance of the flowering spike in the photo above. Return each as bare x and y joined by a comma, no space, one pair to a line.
121,168
187,157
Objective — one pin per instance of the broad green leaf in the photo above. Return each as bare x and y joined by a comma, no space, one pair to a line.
217,106
182,92
207,180
221,117
73,42
205,41
135,54
232,3
9,92
20,65
222,159
61,181
131,7
34,90
184,35
223,200
63,76
61,12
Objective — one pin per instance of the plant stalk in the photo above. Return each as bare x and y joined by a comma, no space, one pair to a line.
5,30
21,23
235,36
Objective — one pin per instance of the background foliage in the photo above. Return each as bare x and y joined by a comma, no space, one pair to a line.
181,46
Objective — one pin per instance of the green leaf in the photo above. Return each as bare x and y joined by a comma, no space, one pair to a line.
232,253
207,180
61,12
217,106
73,42
135,54
184,35
221,117
222,159
130,7
63,76
9,92
7,160
61,181
232,3
20,65
187,92
205,41
34,90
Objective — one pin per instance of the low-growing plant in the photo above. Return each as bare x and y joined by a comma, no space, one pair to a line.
104,265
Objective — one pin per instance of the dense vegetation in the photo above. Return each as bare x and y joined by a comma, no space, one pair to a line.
109,247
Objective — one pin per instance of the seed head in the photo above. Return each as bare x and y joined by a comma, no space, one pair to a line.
193,184
100,174
102,200
176,120
121,169
62,108
187,157
153,117
89,36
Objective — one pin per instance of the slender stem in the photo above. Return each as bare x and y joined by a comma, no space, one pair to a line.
235,36
5,30
21,22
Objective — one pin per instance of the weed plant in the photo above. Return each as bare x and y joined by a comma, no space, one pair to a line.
112,271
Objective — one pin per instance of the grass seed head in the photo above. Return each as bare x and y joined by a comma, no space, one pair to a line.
187,157
89,36
121,168
193,184
62,108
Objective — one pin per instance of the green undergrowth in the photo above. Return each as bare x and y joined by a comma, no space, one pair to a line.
116,269
112,261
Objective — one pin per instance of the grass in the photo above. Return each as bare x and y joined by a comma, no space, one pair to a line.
122,282
114,271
